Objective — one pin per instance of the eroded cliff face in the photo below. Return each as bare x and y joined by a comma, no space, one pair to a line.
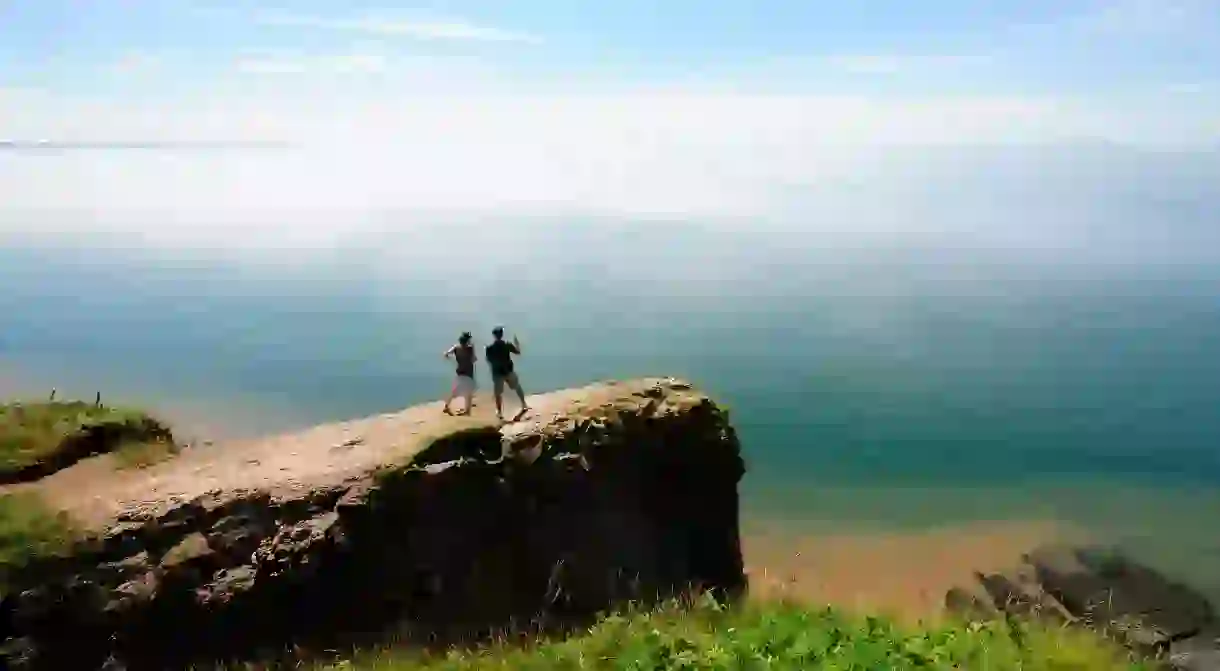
615,492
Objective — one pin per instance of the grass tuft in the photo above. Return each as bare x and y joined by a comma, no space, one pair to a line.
39,438
142,454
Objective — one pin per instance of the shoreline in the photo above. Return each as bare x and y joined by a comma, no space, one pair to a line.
900,573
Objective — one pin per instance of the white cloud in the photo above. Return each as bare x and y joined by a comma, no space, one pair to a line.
412,29
135,62
872,64
1150,17
354,62
1191,88
372,160
898,63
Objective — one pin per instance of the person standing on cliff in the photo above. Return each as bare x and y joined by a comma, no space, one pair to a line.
500,359
463,353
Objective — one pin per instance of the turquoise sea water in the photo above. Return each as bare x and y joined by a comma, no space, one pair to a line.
908,388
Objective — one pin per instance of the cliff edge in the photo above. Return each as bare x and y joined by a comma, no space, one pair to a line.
449,526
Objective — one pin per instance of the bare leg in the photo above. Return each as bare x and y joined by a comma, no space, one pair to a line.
452,393
469,398
497,391
515,382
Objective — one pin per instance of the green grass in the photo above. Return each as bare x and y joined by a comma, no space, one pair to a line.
141,454
30,530
38,435
772,635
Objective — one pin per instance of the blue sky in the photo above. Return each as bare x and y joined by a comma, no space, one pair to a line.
633,107
1155,58
1081,47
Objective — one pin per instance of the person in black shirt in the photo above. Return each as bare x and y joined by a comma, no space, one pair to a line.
463,383
500,360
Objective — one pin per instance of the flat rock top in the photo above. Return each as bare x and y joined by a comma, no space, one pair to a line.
290,464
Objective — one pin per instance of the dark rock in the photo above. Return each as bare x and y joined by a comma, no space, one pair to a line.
126,567
1019,597
1197,653
1113,594
1170,606
123,539
133,594
1104,590
226,584
238,536
191,548
964,604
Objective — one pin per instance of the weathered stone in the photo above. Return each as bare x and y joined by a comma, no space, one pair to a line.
965,604
1104,590
226,584
295,549
618,491
132,593
123,538
124,568
1113,594
1197,653
1020,595
1170,606
190,548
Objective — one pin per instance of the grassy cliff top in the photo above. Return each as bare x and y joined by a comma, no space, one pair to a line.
39,438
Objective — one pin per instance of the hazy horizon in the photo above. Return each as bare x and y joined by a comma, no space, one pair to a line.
1084,131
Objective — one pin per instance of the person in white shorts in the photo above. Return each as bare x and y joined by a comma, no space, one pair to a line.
463,383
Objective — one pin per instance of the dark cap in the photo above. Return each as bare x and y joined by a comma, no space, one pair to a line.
465,337
498,331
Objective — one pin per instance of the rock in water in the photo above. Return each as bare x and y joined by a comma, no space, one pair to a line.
1104,590
453,526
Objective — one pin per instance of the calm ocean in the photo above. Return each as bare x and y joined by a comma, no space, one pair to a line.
907,388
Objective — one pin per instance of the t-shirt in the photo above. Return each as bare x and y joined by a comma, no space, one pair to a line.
499,357
464,354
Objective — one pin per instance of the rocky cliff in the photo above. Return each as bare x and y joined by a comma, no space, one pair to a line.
449,526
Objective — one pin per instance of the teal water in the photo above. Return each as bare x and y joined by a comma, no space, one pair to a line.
872,390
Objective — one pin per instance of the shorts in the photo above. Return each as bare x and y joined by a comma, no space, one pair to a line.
464,385
497,381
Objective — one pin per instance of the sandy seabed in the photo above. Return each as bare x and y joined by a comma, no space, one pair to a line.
901,574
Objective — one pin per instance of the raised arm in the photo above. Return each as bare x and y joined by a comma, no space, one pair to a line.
516,344
449,352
